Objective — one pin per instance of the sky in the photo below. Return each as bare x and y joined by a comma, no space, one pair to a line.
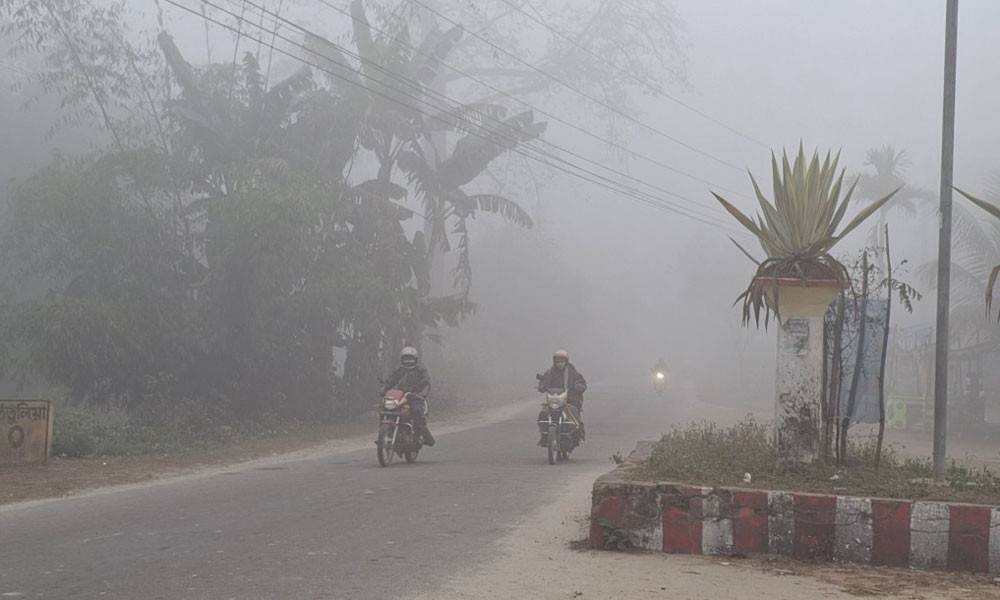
842,76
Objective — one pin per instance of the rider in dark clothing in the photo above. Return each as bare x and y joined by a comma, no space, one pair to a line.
563,376
661,367
415,382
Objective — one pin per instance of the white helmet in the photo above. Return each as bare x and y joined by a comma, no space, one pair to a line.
409,357
560,354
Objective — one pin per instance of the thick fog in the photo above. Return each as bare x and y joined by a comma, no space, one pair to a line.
618,283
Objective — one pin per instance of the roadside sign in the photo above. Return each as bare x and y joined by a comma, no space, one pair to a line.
25,431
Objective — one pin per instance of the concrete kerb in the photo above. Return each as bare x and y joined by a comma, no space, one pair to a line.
676,518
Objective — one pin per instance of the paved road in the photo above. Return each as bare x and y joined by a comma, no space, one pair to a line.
329,526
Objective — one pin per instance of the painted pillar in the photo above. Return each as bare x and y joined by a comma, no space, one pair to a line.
798,416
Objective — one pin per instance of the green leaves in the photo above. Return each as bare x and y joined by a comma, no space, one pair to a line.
799,228
995,272
807,211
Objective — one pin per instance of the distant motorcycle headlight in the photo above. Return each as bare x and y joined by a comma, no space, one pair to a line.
391,405
660,375
554,404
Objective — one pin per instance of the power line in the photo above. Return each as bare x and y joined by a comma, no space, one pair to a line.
580,92
448,108
15,68
635,79
540,111
515,141
605,182
611,185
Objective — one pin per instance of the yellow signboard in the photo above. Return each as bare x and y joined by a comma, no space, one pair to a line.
25,431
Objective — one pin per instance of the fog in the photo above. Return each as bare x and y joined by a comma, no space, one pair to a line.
615,282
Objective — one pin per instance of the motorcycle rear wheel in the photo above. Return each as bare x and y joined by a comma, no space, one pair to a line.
385,452
553,444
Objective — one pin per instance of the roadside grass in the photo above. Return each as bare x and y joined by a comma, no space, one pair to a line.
78,433
705,454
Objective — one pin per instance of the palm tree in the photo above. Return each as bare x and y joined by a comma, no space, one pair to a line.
977,243
889,174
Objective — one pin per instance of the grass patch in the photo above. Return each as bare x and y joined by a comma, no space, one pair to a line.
706,454
78,433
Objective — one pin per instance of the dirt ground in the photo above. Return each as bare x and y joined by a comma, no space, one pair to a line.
63,476
543,556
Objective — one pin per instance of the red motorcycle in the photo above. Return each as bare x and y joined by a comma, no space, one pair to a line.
396,434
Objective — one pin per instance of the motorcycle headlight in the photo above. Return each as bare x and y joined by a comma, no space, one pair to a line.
391,405
554,404
660,375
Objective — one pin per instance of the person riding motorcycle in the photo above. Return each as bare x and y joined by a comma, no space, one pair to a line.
413,380
562,375
661,367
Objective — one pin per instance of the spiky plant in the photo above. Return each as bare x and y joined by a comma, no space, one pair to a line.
995,211
798,230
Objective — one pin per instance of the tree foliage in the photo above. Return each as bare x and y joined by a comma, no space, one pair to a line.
220,254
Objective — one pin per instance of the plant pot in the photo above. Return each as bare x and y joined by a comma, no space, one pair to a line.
800,297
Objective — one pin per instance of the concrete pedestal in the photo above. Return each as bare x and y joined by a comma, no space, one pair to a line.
798,413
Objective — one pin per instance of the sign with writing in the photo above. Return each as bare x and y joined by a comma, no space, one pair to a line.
796,336
25,431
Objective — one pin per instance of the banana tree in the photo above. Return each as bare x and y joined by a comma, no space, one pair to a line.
396,76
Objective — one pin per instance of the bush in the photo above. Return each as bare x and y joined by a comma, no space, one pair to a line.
78,433
706,454
75,433
705,449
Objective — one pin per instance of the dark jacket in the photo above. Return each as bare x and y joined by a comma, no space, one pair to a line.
411,381
559,379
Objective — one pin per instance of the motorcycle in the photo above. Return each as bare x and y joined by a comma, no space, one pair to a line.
563,429
396,434
659,382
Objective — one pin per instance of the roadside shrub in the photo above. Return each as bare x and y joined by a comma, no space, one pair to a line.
75,433
705,449
706,454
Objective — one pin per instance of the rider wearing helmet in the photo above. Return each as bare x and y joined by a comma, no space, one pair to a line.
413,379
563,376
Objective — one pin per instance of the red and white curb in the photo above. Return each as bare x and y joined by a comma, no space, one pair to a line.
726,521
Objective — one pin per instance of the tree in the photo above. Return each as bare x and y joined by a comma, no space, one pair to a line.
221,256
890,167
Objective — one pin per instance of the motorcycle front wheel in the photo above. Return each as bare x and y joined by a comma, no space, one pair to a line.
385,452
553,444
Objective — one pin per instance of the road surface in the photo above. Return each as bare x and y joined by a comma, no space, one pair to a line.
332,525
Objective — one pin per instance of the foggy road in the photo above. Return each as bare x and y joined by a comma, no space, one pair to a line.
330,526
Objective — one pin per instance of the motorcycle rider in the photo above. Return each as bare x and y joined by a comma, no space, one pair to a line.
661,367
563,375
412,379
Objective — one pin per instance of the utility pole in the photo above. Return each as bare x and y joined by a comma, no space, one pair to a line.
944,244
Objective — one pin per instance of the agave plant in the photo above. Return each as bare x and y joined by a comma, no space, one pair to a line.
798,230
995,211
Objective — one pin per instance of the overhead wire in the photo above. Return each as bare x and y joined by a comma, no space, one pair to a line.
578,91
548,114
604,182
447,108
541,21
601,181
457,104
15,68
